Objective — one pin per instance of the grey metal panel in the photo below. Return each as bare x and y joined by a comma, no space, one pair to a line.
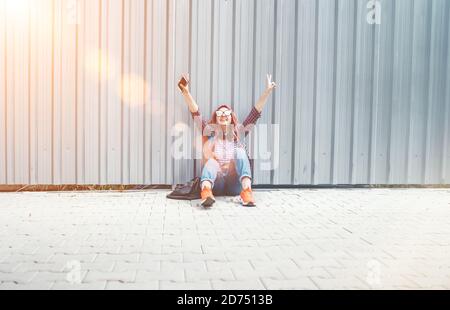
305,83
79,20
40,99
3,99
242,87
342,126
264,54
111,86
157,73
90,66
178,116
65,86
363,96
446,154
223,52
21,92
401,96
88,88
137,91
127,86
383,94
104,90
9,95
284,97
67,101
32,102
419,90
436,104
324,91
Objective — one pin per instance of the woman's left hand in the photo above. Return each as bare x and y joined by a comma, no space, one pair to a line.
270,85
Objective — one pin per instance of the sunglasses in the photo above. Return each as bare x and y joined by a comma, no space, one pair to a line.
223,113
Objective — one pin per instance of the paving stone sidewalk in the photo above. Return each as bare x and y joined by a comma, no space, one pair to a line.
294,239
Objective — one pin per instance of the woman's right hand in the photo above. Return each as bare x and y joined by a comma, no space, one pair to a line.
184,88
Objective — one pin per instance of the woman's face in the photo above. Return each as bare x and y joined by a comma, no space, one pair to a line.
223,116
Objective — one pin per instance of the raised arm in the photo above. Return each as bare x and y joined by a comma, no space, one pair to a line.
192,105
263,99
193,108
255,113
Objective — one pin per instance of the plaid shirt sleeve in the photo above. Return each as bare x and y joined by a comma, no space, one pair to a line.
199,120
251,120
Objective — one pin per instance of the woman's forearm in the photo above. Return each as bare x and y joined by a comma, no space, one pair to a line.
192,105
263,100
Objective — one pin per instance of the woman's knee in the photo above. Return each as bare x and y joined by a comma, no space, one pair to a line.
241,153
210,171
212,163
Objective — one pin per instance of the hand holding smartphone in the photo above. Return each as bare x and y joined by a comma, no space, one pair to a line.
183,83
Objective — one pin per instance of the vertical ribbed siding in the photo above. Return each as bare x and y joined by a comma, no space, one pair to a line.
93,100
401,95
343,98
324,91
264,58
446,154
3,95
305,85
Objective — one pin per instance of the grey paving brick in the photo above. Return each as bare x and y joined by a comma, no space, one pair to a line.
218,265
243,274
114,285
262,264
173,275
17,277
148,265
253,284
290,273
27,286
213,257
298,284
341,284
238,255
194,275
97,266
26,258
10,267
43,276
66,258
428,282
174,258
97,276
192,266
181,250
81,286
200,285
106,258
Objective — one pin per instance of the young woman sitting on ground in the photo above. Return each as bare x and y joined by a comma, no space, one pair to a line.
227,169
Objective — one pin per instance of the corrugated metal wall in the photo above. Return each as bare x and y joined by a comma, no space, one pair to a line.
88,88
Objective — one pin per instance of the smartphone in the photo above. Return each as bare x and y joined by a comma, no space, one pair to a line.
183,82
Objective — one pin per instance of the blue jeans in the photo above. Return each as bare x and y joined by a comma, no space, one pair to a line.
228,183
